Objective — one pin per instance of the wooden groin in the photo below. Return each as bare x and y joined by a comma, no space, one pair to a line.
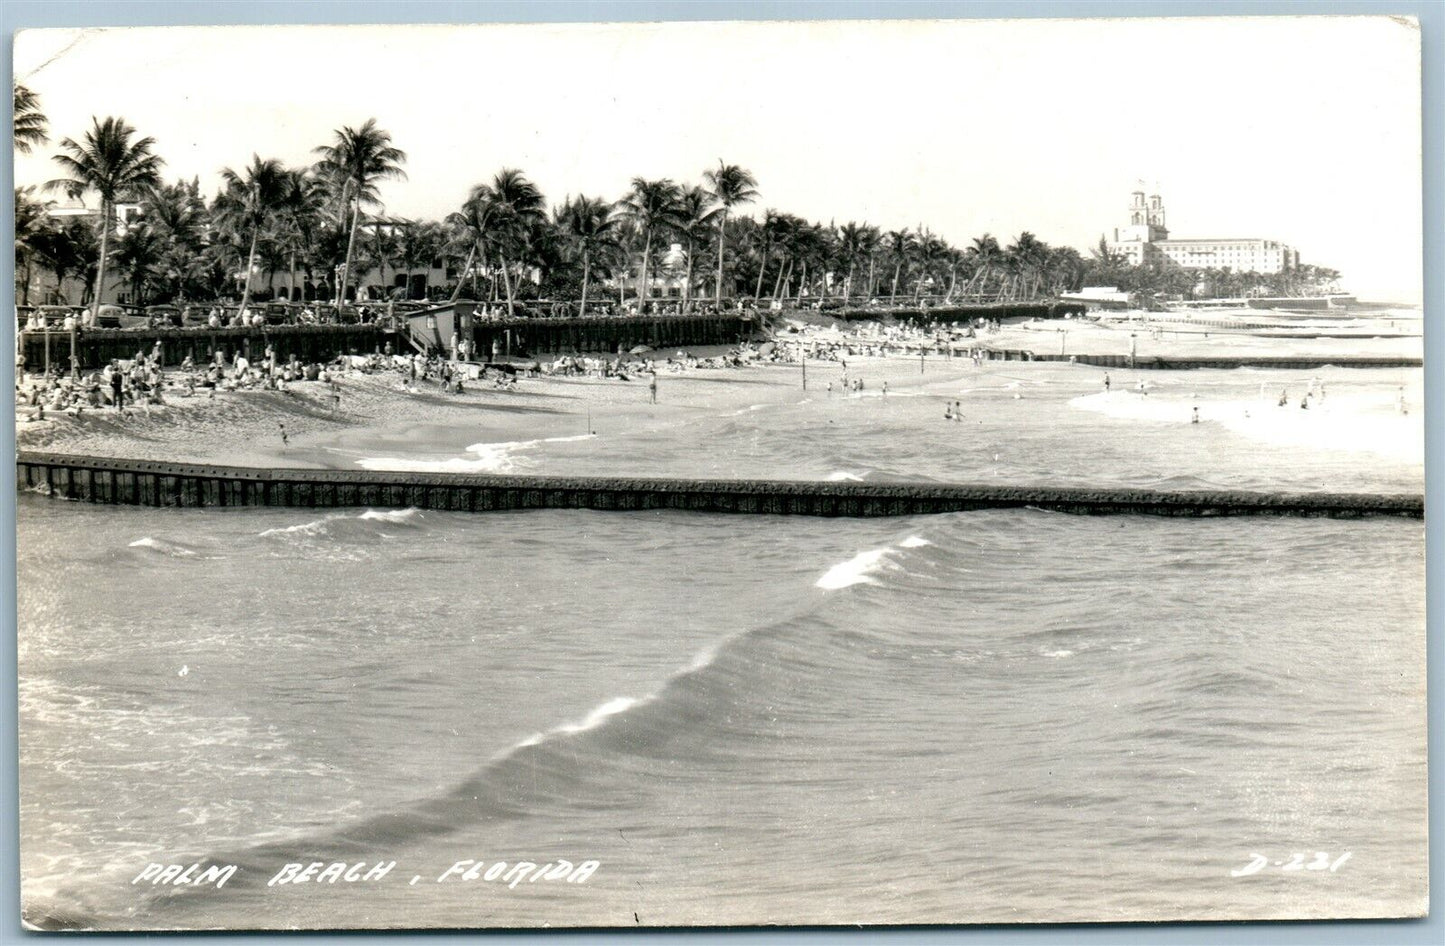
152,483
1178,363
958,312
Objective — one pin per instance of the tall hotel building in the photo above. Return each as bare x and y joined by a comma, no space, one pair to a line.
1146,239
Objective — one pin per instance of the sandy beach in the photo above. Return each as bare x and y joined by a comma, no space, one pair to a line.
1027,421
243,427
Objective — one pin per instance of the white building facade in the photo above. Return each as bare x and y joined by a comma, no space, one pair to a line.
1146,239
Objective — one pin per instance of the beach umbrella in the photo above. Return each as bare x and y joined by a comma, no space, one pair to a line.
639,349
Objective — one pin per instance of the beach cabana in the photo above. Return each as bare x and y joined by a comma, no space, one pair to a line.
440,328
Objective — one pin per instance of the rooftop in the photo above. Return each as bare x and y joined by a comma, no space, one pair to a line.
1220,240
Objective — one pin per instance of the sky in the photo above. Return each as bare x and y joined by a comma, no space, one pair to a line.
1299,129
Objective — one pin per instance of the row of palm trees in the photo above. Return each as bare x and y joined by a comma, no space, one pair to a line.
502,240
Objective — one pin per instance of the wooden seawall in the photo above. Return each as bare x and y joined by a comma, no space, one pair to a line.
96,347
149,483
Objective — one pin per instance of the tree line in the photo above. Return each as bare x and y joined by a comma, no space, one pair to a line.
503,242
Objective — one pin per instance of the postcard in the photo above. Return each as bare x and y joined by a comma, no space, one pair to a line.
694,474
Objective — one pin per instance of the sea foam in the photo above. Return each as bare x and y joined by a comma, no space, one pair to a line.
595,718
396,516
854,571
162,546
483,458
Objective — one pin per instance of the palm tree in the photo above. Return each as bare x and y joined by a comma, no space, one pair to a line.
787,236
589,223
357,160
419,243
811,246
1065,268
767,231
385,247
804,247
250,200
899,246
1027,255
931,253
543,248
513,204
57,250
272,255
626,238
1107,266
652,206
850,248
298,219
870,241
65,250
31,223
984,254
729,185
472,226
139,252
177,214
694,223
108,162
30,121
955,260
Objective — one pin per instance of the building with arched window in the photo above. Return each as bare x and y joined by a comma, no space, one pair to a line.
1146,239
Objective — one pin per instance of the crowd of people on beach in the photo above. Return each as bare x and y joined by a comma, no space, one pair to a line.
142,380
881,341
626,367
606,309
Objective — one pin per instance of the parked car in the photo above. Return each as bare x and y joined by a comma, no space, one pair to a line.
112,315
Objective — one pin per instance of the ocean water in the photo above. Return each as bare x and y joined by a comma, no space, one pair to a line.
668,718
990,716
1030,424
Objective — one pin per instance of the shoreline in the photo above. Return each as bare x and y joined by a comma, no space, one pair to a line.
388,424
